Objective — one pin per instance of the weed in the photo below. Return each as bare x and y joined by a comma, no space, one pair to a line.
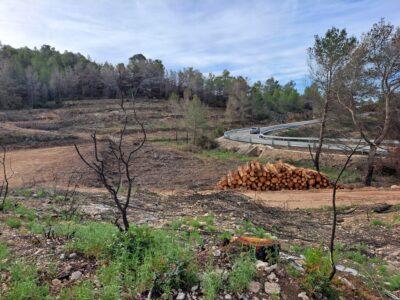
35,227
3,255
92,238
381,223
211,283
317,268
153,261
24,283
110,279
41,193
14,222
82,291
292,271
242,273
25,212
394,282
226,235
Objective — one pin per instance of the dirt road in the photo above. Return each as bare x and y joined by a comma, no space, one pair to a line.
321,198
46,165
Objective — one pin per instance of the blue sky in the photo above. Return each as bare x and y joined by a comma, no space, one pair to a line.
256,39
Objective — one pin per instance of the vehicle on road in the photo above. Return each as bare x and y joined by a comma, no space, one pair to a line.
255,130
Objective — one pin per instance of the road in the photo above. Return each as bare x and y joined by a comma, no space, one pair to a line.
243,135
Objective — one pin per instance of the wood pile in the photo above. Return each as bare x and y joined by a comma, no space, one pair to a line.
274,177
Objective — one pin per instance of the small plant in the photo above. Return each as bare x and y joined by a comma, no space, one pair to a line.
318,269
41,193
3,255
83,291
25,212
25,283
92,238
394,282
153,261
35,227
242,273
14,222
211,284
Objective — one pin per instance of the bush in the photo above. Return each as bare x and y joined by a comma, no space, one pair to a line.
205,142
153,260
3,255
242,273
211,283
24,283
394,282
92,238
14,222
317,269
82,291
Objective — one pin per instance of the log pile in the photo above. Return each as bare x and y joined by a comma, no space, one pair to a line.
274,177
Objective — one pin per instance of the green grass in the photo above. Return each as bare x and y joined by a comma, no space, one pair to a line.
3,255
317,269
14,222
25,212
152,259
381,223
223,155
92,238
242,273
211,284
25,283
82,291
394,282
35,227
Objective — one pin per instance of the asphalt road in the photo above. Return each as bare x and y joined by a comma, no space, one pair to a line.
243,135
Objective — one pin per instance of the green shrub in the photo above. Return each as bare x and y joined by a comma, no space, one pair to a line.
394,282
92,238
205,142
242,273
317,271
109,277
3,254
211,283
14,222
35,227
82,291
24,283
153,259
25,212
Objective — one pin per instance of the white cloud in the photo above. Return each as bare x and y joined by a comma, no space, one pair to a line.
253,38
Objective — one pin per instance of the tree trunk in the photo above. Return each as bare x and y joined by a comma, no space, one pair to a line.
125,220
370,165
321,135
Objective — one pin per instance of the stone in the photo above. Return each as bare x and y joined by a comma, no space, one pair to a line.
56,282
217,253
228,297
261,265
271,268
272,288
272,277
394,186
194,288
72,255
76,275
347,270
303,296
62,256
346,282
254,287
181,296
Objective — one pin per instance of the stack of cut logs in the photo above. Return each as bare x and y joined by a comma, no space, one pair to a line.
278,176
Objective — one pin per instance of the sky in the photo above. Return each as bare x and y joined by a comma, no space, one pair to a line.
253,38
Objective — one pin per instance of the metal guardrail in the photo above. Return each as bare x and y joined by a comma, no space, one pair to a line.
243,135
